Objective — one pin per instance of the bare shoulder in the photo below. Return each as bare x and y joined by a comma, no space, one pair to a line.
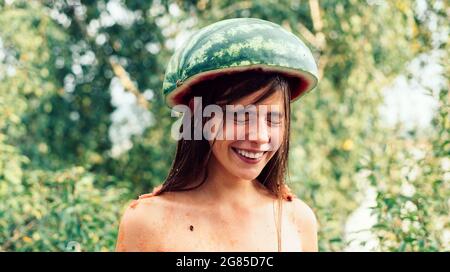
306,223
303,214
141,224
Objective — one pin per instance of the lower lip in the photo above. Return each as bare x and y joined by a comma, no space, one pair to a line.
247,160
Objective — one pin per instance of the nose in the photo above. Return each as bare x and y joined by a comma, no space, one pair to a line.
259,131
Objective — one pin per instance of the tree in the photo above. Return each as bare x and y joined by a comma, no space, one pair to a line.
60,62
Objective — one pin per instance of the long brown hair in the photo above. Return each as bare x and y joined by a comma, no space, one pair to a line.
192,156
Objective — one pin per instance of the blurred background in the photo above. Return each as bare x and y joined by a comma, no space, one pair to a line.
84,129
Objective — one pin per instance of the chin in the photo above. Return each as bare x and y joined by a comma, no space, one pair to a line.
247,174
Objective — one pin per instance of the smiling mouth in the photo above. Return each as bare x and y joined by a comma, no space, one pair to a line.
249,156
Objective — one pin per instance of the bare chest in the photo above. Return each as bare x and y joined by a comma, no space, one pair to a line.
191,231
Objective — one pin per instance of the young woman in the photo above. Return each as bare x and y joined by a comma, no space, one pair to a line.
229,193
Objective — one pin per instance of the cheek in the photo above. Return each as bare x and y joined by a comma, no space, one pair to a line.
276,137
220,149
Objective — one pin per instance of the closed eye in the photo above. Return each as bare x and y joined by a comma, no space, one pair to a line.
274,118
241,117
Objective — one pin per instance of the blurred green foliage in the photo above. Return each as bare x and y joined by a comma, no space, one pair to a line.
61,187
413,196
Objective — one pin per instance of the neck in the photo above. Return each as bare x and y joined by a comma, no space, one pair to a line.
224,188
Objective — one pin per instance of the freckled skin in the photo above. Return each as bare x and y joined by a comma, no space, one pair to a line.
287,195
143,228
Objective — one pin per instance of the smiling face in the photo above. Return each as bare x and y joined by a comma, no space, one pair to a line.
256,150
257,134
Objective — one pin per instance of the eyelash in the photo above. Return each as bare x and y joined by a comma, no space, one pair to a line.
245,121
275,123
237,121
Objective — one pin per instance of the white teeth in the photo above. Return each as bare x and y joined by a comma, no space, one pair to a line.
252,155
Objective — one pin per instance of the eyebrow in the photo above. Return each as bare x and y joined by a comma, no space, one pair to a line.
273,114
245,108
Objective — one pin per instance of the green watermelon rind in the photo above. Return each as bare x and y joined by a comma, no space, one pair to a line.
239,44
